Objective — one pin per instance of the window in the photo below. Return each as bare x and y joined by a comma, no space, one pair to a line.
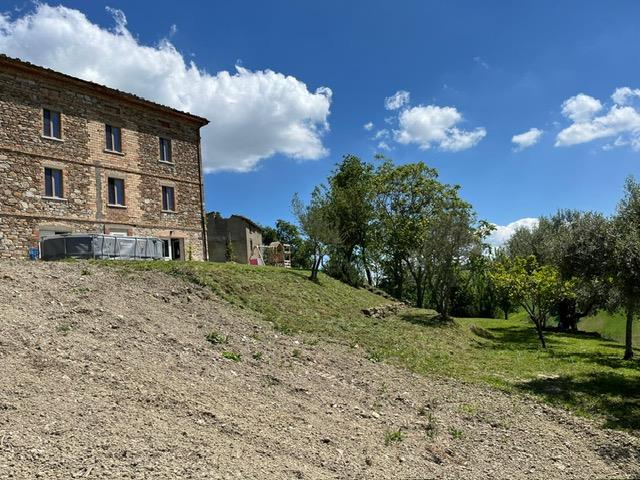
165,150
116,191
52,183
113,137
51,124
168,199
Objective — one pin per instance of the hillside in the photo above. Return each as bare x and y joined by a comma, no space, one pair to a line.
611,326
582,372
125,371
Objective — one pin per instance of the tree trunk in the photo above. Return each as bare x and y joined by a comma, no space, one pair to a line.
419,295
538,324
367,270
399,282
506,314
628,338
315,267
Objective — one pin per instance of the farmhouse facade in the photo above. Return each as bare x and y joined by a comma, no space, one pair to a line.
76,157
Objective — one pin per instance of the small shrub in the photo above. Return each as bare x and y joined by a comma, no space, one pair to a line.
64,328
216,338
393,436
296,353
232,356
257,356
85,271
455,433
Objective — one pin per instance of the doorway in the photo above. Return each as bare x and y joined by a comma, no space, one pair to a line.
176,249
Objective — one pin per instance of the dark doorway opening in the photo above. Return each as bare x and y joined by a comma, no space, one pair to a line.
176,249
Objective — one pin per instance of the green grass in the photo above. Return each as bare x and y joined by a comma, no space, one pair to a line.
236,357
611,326
393,436
582,372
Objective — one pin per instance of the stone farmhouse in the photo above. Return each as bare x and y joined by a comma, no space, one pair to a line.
243,234
77,157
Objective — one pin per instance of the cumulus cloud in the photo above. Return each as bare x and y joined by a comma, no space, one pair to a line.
624,95
431,125
397,100
254,114
581,107
526,139
368,126
503,233
621,121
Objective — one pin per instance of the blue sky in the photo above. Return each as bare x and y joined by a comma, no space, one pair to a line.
500,68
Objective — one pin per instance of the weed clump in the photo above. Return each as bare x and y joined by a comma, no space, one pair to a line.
216,338
232,356
393,436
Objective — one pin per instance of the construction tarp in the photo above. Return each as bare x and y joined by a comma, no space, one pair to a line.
100,246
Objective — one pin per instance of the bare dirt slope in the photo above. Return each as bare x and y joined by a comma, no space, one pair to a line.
110,376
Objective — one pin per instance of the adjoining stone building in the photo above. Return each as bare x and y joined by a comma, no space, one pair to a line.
76,156
241,232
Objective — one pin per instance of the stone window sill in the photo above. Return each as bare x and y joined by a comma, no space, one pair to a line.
168,211
114,205
113,152
54,199
164,162
53,139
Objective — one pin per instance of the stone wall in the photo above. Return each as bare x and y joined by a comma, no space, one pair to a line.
242,234
86,165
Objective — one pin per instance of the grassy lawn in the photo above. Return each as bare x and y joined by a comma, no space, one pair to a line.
583,372
610,326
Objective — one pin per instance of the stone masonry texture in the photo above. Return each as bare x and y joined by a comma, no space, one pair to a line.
86,165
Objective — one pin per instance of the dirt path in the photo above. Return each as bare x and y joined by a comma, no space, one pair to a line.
104,376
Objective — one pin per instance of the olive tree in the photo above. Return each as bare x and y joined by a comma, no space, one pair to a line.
625,261
317,223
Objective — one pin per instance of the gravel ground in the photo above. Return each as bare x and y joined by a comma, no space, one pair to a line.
106,375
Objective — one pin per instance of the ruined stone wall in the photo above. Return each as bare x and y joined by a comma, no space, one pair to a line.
86,166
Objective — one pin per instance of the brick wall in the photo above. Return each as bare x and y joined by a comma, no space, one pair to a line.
86,166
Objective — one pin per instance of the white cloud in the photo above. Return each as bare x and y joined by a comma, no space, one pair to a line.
527,139
384,146
368,126
581,108
397,100
620,120
430,125
624,95
503,233
384,133
254,114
